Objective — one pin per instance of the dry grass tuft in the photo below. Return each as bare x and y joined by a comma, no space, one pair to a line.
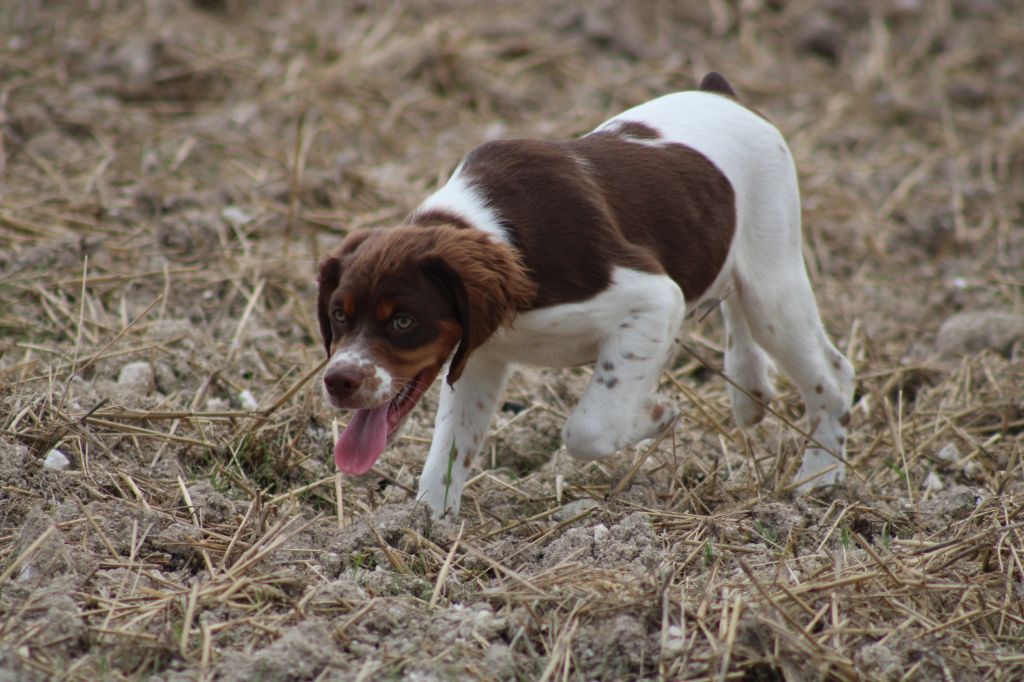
171,171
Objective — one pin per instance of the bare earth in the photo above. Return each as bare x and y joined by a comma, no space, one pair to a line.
171,171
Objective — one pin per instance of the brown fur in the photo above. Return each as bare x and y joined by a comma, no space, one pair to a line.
577,209
483,283
716,82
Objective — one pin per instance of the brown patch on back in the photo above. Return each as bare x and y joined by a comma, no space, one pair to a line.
818,389
657,412
633,129
577,209
845,419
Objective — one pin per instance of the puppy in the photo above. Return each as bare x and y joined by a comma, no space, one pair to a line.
592,250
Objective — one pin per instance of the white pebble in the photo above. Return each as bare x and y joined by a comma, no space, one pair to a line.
217,405
933,483
949,453
136,375
675,641
235,216
248,400
600,533
56,461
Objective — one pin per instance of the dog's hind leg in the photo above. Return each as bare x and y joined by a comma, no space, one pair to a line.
783,317
618,407
746,365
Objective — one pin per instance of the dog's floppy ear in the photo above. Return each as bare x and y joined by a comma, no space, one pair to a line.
455,288
327,281
485,282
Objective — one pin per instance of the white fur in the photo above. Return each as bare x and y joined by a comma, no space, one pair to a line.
367,396
616,408
458,196
775,310
769,311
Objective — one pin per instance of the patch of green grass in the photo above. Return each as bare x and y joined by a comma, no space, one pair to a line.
768,533
897,469
845,537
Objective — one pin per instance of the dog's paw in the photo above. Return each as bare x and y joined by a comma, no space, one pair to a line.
440,499
749,407
656,415
815,470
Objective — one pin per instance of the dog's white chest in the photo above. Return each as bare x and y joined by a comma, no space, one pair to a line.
570,334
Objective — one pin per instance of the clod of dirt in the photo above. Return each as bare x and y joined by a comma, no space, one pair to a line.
137,376
210,504
392,523
954,504
629,544
617,649
972,332
301,653
50,614
575,508
53,557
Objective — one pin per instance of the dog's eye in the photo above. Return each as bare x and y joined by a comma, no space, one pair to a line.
339,316
402,322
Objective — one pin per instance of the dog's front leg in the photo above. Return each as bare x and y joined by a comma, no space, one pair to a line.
619,408
463,415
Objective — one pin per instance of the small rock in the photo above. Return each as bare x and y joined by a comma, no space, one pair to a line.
137,376
948,453
236,216
217,405
932,482
56,461
573,509
248,400
972,332
600,533
674,641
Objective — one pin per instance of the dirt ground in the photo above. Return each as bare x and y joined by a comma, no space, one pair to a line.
170,172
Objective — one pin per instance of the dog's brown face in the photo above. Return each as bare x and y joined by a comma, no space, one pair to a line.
391,313
394,305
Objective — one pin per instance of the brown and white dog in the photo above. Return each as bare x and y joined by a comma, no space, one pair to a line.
587,250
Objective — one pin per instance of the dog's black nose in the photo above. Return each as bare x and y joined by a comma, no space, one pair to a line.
342,382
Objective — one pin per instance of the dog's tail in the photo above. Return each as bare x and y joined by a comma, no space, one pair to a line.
715,82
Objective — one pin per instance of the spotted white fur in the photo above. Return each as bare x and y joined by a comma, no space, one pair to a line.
371,393
769,310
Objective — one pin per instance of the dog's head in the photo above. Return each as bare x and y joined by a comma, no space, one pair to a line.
394,306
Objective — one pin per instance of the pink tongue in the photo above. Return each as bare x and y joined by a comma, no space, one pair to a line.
362,441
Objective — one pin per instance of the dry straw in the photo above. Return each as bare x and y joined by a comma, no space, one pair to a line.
171,172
